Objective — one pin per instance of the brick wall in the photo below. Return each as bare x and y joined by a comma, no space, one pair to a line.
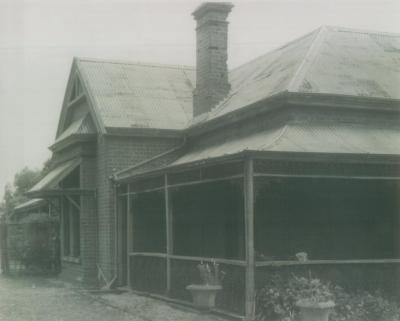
97,217
78,150
116,153
88,221
84,272
212,70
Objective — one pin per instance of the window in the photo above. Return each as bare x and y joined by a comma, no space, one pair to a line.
71,228
70,225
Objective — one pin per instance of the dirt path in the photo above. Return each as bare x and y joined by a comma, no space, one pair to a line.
38,299
35,299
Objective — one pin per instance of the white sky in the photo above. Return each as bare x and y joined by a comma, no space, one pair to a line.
38,39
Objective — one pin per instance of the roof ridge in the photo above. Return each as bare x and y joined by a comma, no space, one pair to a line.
307,60
273,50
136,63
282,132
223,102
362,31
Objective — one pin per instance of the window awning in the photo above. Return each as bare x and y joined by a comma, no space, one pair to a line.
50,183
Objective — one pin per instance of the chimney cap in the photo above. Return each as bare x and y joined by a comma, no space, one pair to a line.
205,7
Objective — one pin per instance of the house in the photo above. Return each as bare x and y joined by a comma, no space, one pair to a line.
111,118
160,167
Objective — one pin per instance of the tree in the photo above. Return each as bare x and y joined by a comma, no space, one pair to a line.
47,166
25,179
15,194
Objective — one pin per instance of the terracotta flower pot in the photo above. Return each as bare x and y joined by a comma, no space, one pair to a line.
310,311
204,294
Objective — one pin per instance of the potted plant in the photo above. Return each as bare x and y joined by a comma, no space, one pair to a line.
204,294
314,299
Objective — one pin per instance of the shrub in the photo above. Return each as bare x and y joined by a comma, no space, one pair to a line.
276,301
364,306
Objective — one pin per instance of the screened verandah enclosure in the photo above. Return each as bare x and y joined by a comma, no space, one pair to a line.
252,215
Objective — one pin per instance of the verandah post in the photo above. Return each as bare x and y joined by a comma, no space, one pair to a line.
129,237
169,237
249,239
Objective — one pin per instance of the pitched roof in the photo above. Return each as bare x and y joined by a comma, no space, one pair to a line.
329,60
137,95
81,126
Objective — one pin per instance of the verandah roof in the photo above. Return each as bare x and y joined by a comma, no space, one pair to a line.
32,203
296,136
54,177
307,137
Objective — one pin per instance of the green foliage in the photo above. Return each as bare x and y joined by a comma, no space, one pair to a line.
35,259
364,306
310,290
23,181
276,301
47,166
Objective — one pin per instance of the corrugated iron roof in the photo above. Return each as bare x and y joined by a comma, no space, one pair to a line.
329,60
154,163
81,126
265,76
307,136
51,180
29,204
139,95
356,63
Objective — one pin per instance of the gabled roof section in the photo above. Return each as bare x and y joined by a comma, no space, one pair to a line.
329,60
80,127
134,95
75,95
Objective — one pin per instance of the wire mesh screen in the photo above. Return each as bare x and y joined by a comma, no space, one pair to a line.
230,299
324,168
148,274
352,277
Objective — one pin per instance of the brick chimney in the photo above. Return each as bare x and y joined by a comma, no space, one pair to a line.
212,83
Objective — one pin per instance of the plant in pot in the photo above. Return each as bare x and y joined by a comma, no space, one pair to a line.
204,294
314,299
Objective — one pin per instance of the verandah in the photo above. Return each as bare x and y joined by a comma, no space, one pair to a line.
253,216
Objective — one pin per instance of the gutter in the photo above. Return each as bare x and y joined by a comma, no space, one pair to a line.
115,178
271,103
